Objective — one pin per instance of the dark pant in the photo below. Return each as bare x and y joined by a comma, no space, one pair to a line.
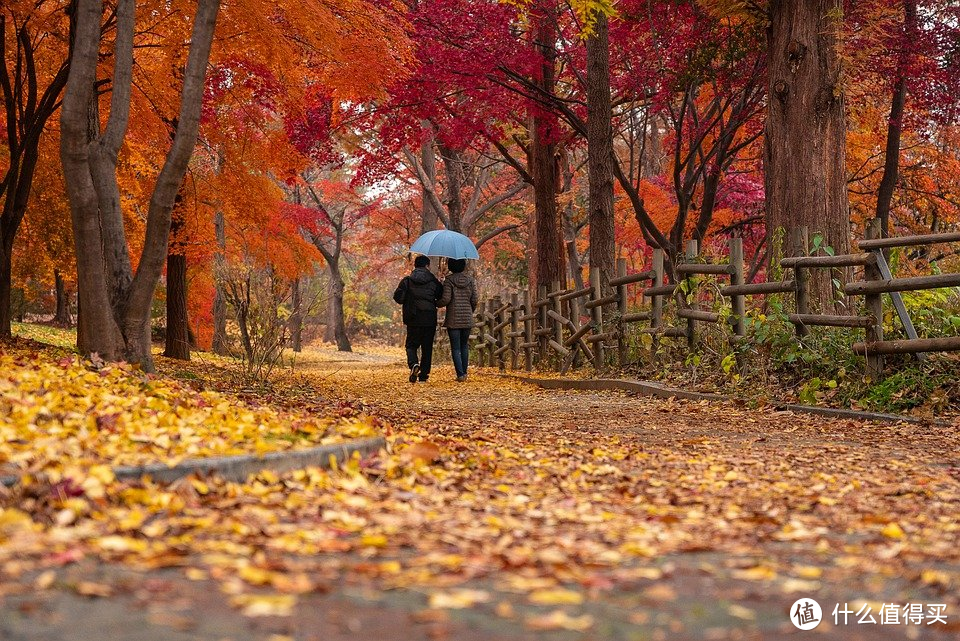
420,338
459,341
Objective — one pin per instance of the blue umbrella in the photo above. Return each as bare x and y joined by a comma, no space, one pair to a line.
446,243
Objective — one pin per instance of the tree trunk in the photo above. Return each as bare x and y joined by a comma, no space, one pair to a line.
335,316
891,162
600,151
220,343
573,256
805,143
178,326
116,302
6,283
97,329
453,187
543,158
428,158
651,160
61,316
296,317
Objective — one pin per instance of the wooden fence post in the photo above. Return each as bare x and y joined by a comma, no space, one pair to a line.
527,332
488,330
557,307
573,307
874,306
797,247
622,311
692,251
514,330
737,301
656,304
542,319
596,314
500,333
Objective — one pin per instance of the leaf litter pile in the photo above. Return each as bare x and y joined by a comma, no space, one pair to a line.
529,505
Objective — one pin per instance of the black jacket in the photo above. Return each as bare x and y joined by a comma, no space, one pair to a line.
418,293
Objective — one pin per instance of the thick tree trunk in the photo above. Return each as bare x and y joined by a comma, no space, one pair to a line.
61,316
220,343
428,158
6,283
97,329
453,191
336,320
178,326
600,151
136,313
891,163
806,132
296,317
543,159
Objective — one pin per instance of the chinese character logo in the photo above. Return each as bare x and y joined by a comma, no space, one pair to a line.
805,614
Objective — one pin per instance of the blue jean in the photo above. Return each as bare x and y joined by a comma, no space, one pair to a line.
459,341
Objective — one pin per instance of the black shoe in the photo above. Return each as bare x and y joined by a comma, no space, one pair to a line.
414,372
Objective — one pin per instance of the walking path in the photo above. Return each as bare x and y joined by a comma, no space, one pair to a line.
506,511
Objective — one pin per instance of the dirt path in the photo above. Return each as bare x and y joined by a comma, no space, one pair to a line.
508,512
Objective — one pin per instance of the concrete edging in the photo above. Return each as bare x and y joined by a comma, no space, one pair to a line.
238,468
648,388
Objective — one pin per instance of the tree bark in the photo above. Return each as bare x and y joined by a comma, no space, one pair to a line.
543,157
97,329
600,151
335,316
178,326
61,316
891,162
805,143
453,191
6,288
220,343
428,158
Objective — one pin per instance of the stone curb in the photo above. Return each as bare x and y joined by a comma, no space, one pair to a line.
238,468
662,391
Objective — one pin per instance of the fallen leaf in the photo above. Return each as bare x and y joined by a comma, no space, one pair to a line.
559,620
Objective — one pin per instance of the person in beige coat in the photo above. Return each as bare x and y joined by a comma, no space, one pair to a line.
460,298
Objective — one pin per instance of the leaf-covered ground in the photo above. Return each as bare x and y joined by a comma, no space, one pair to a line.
505,511
68,420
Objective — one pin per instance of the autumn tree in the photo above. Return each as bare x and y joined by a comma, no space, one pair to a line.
35,47
600,148
329,212
805,138
115,300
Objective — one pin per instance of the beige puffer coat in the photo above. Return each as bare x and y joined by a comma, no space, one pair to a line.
460,298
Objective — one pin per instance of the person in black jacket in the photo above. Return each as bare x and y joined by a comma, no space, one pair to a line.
418,293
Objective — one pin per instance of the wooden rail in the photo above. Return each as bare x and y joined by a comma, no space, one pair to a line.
910,241
566,327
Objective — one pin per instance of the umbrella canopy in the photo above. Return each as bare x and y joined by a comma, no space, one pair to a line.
446,243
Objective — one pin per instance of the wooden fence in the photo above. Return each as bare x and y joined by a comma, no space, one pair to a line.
563,328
